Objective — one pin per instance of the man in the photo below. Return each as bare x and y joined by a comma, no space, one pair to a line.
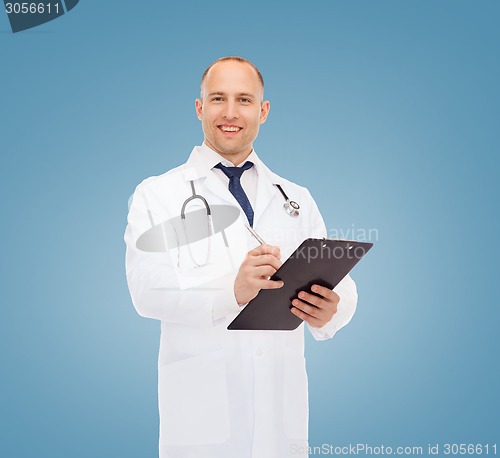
227,393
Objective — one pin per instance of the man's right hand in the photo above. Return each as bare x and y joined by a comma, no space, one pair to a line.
259,264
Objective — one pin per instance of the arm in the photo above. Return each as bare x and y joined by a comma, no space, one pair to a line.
335,309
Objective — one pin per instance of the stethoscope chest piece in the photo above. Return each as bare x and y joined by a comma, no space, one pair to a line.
291,207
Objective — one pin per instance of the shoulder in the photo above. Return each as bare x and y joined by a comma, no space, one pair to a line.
314,224
289,187
161,179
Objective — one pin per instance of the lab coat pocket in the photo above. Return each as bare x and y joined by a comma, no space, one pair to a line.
194,407
296,409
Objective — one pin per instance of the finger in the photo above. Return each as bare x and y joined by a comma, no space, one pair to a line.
265,260
269,284
309,309
266,249
263,271
311,298
306,317
321,309
327,293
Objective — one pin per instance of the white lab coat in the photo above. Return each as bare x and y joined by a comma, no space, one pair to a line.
223,393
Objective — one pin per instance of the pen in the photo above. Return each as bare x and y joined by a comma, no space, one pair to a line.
257,236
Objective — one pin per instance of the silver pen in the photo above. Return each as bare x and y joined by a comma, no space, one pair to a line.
257,236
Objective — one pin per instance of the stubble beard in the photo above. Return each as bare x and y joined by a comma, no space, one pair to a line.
231,151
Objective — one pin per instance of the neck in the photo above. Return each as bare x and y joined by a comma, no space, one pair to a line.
236,158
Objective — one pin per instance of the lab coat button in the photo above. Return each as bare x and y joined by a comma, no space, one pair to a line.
259,352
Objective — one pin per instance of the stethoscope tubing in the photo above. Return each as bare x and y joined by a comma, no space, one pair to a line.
193,197
290,206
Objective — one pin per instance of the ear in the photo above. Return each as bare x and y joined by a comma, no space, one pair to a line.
264,111
199,105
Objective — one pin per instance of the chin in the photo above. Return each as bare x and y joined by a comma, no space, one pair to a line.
229,151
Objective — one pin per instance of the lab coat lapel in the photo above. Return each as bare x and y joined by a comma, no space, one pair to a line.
213,186
209,185
266,191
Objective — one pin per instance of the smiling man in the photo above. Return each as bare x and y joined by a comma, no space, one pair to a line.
223,393
231,108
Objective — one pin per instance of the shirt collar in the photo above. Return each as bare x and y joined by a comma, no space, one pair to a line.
211,158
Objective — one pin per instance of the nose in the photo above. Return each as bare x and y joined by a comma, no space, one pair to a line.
231,110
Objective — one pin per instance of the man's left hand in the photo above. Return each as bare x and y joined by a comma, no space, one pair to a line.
316,309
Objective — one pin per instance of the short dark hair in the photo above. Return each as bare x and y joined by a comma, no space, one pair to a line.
236,59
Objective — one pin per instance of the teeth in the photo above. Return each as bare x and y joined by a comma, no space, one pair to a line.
230,128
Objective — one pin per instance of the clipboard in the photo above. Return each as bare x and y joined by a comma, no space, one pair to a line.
316,261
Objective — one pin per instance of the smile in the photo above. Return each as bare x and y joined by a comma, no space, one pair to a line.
229,128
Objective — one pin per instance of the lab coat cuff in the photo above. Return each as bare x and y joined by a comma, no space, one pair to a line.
327,331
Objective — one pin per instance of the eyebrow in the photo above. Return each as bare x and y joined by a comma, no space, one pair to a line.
241,94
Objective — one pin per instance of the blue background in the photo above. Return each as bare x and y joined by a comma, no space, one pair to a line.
388,111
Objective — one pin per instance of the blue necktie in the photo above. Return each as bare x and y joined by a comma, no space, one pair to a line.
234,175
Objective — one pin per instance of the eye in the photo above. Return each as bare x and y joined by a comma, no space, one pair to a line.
245,100
216,99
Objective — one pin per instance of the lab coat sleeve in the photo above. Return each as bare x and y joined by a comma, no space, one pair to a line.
346,289
153,282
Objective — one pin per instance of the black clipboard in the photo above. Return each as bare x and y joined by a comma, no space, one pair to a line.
316,261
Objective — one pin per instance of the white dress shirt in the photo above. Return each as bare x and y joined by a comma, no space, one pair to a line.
248,179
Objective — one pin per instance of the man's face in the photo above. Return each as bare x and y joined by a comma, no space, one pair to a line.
232,109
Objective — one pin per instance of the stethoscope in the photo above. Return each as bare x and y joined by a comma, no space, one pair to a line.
210,225
290,206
